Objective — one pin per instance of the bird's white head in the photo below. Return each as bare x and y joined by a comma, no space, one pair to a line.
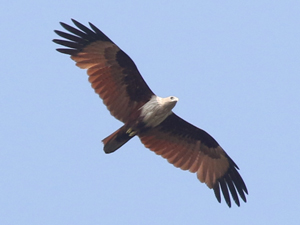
170,102
173,99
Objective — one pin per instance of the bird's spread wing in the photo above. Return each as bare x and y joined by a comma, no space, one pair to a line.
190,148
112,73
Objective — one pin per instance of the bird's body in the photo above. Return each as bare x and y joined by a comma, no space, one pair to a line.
157,110
116,79
150,115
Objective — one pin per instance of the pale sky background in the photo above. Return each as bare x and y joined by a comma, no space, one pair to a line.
235,66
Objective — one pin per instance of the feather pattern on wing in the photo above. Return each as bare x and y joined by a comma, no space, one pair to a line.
190,148
112,73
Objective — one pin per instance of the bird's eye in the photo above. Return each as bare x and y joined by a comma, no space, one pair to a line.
171,97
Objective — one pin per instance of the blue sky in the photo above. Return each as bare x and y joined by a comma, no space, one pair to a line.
235,67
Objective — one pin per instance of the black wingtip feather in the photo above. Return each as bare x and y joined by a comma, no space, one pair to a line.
70,37
217,192
232,190
69,44
86,30
77,39
74,30
97,31
231,183
239,184
225,192
67,51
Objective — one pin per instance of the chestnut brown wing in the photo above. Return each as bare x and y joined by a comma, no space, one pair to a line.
190,148
112,73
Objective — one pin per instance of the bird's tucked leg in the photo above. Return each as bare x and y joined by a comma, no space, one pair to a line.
117,139
131,132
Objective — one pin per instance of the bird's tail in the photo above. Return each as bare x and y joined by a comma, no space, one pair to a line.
117,139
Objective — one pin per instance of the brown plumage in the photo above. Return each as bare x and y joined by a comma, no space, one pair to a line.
116,79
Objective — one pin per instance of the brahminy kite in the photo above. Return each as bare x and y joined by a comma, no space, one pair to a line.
116,79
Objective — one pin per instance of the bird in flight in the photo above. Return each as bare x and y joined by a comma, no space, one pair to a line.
116,79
